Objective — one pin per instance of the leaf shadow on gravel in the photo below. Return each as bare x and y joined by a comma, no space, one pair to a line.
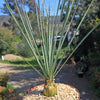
22,79
68,76
26,79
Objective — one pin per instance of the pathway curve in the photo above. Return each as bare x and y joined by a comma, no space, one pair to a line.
26,79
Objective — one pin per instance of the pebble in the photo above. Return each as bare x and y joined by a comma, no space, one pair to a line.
64,92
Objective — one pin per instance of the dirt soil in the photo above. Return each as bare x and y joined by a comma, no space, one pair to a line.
24,79
11,57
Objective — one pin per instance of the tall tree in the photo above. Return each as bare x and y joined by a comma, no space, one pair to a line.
91,19
83,5
6,41
30,4
30,10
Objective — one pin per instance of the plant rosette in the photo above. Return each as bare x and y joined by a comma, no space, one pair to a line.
2,88
64,92
5,90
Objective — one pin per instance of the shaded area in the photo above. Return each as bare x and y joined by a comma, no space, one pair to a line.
68,76
26,79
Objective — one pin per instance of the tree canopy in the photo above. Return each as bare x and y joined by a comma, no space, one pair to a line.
30,8
93,13
92,18
6,39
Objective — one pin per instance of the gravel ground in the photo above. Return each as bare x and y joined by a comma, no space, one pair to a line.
64,92
26,79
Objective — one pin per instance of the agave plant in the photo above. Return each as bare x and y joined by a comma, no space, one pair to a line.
49,64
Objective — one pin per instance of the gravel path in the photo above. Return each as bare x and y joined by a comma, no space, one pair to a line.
26,79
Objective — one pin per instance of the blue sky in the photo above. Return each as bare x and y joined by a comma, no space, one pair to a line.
53,5
1,5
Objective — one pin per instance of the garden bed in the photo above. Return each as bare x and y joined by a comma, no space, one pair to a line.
64,92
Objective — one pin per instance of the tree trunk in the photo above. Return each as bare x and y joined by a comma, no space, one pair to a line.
50,88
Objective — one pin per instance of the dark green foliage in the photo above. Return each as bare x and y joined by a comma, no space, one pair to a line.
4,77
97,40
92,43
30,4
6,48
94,58
9,93
4,91
24,50
22,62
87,46
9,86
83,5
6,39
80,67
91,46
94,76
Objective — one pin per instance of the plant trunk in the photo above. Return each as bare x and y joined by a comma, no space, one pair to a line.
50,88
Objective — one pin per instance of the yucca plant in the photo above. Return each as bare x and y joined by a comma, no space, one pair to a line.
50,53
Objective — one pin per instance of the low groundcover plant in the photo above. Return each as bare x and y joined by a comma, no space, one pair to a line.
50,53
4,77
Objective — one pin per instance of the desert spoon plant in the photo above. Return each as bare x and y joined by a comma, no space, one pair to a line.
50,53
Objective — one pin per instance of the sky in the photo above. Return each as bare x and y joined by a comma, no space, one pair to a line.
53,5
1,5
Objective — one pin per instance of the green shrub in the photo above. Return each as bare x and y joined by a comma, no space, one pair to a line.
24,50
6,41
8,89
9,93
4,77
94,76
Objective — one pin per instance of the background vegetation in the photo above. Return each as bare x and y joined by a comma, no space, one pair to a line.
12,42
